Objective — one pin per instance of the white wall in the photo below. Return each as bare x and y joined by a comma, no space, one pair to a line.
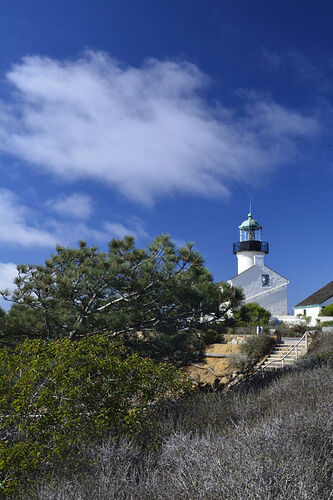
292,320
274,300
312,312
247,259
272,297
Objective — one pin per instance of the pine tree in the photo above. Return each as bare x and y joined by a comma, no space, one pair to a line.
159,300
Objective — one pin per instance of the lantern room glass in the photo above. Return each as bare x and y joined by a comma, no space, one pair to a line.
250,234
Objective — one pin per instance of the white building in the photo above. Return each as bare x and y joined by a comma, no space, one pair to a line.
259,283
312,305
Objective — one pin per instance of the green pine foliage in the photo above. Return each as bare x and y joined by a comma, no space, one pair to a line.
159,300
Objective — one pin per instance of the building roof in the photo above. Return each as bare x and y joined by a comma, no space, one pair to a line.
318,297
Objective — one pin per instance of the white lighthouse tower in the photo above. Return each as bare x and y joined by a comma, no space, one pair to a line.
259,283
250,249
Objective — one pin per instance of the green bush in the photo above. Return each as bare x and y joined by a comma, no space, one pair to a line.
327,311
252,314
256,347
56,393
325,323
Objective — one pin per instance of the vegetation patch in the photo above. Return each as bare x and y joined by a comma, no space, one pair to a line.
327,311
271,439
56,394
160,301
257,346
252,314
321,348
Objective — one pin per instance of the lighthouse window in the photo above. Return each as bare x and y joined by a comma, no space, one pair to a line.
265,279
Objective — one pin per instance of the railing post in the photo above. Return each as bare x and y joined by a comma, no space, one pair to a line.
296,353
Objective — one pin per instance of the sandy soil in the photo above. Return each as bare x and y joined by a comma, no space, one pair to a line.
215,370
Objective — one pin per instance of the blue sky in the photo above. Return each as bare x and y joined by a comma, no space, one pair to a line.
149,117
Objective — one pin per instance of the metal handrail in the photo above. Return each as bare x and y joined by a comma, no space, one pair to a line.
305,337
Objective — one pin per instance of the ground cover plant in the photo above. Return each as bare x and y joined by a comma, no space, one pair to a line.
271,438
321,347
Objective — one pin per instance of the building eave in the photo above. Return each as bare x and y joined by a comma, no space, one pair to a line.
306,307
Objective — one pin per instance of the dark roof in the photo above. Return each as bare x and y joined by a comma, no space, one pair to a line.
318,297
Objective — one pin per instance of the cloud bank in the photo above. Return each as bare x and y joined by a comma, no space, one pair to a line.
8,272
146,131
20,225
76,205
17,224
134,227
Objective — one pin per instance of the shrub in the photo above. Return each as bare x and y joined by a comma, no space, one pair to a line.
327,311
256,347
321,347
241,362
325,323
233,445
252,314
56,393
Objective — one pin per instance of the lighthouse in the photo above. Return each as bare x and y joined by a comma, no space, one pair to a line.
259,283
250,249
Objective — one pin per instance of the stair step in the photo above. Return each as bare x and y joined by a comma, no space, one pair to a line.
276,365
290,346
279,360
286,349
282,353
285,352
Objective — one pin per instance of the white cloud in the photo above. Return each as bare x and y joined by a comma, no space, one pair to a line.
75,205
118,230
134,228
17,226
146,131
179,242
20,225
282,123
8,273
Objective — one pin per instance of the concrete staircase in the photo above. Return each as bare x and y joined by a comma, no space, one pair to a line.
274,360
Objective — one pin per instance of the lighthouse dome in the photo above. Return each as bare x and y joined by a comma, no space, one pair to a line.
250,224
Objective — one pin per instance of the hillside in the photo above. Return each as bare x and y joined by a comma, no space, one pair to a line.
271,438
212,369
